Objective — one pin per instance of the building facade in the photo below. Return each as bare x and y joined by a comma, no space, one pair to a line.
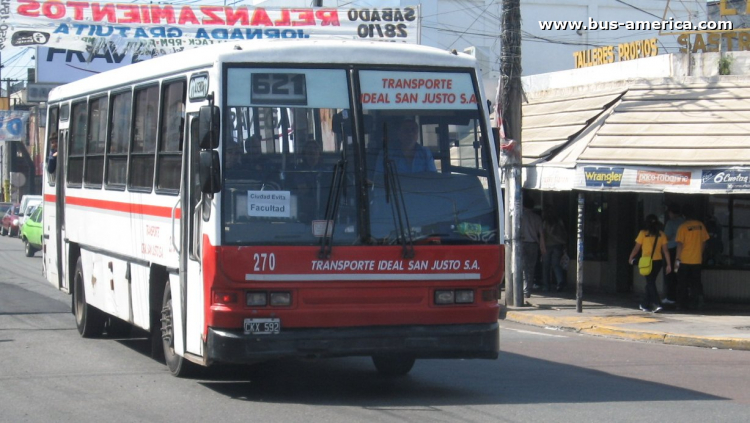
632,137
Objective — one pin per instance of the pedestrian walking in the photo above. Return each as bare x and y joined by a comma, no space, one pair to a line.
652,243
691,241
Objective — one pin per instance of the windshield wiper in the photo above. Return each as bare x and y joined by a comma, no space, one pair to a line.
394,195
334,199
332,206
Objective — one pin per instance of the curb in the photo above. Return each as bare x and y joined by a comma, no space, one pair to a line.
606,327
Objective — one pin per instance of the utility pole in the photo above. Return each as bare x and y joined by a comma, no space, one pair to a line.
7,87
5,164
510,80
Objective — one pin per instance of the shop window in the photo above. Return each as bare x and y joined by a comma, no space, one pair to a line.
595,217
728,224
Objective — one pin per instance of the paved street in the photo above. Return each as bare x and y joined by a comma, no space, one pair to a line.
51,374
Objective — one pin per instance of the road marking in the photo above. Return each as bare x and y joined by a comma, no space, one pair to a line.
535,333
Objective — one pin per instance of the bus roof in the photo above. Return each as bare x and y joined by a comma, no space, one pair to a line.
268,51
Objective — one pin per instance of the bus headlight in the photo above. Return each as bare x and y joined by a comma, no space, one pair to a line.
256,299
281,298
464,296
443,297
454,296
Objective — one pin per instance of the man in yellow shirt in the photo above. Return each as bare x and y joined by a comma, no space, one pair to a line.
691,240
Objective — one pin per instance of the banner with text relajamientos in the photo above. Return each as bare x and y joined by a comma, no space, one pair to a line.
156,29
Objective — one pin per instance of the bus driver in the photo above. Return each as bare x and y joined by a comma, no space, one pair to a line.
410,157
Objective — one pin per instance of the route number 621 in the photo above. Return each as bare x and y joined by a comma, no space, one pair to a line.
264,261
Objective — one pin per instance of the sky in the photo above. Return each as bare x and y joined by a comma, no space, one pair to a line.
16,61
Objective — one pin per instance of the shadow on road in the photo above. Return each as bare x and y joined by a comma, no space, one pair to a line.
513,379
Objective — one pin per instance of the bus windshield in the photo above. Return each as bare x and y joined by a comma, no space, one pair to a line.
428,158
294,171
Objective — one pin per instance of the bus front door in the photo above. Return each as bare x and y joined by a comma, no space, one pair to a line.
55,253
191,236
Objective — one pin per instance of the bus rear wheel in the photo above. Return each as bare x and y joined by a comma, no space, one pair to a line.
89,319
177,365
392,365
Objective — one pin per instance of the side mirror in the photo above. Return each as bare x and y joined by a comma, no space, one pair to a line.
209,121
210,172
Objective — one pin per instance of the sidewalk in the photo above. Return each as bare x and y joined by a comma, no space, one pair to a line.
723,326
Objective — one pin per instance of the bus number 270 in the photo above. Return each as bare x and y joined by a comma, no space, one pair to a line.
264,261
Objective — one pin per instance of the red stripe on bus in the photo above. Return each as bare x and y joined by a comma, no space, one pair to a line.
143,209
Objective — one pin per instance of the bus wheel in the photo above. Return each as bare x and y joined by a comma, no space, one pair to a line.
391,365
28,249
89,319
177,365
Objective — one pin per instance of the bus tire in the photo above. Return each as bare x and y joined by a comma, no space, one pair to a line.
392,365
178,366
89,319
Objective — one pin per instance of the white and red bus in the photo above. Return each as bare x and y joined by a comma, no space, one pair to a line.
266,199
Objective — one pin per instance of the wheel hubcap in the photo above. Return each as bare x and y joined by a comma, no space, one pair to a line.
79,299
166,325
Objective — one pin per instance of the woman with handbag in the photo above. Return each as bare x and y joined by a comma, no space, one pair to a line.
653,242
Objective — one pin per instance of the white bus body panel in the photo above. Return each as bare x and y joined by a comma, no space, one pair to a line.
139,279
174,283
49,246
135,235
195,306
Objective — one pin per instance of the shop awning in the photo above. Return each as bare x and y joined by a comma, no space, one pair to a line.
676,124
551,122
660,136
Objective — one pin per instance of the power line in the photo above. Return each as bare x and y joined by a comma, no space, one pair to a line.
638,8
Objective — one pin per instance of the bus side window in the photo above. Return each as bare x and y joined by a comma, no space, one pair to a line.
77,143
117,152
141,175
52,126
172,133
94,167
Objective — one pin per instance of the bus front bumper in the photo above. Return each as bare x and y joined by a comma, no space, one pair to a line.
442,341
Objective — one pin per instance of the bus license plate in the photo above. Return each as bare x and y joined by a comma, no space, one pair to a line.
262,326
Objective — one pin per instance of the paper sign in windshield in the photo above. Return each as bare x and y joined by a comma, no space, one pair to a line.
322,228
269,204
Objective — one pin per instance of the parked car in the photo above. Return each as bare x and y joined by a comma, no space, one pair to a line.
10,221
28,202
31,232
